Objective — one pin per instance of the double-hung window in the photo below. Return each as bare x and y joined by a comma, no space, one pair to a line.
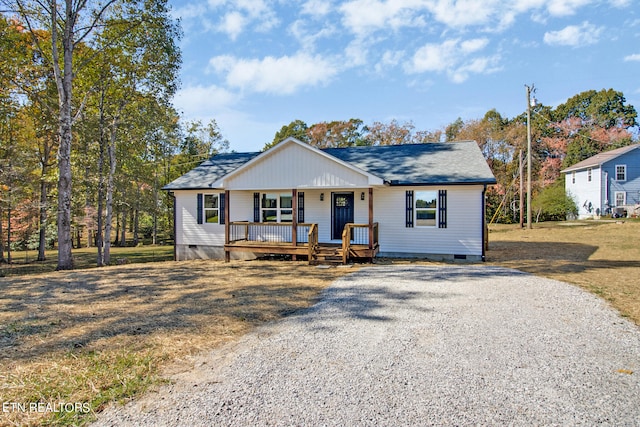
211,208
621,172
426,208
276,207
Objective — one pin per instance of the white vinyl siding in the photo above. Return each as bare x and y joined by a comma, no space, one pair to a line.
463,235
587,194
208,234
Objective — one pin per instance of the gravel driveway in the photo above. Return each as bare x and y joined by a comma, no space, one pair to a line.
417,345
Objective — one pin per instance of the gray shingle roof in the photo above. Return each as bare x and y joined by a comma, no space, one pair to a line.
412,164
601,158
209,171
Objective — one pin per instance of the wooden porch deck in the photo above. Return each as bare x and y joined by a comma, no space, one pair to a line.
278,239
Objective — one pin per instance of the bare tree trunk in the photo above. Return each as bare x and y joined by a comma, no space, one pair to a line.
64,80
154,239
2,258
99,236
123,227
136,220
9,260
111,151
42,243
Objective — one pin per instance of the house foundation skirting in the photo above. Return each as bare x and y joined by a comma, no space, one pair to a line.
432,257
188,252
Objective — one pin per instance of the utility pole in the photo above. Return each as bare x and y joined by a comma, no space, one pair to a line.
530,89
521,171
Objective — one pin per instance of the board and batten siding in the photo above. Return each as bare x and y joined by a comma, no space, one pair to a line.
462,236
296,167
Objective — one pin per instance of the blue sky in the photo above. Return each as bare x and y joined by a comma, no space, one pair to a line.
256,65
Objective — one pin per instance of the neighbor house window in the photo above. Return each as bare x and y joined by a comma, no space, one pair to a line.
621,172
573,177
426,208
276,207
589,174
211,208
621,198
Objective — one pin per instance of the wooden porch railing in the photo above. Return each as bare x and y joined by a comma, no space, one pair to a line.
358,240
313,242
358,235
268,232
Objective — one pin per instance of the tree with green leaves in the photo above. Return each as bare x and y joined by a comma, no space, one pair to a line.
592,122
296,129
338,133
70,25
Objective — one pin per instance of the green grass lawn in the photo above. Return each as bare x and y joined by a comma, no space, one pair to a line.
24,262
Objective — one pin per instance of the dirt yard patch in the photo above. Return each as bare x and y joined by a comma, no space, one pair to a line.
601,257
98,335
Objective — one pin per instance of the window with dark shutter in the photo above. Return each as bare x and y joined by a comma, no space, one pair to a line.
222,207
200,207
256,207
300,207
442,209
409,213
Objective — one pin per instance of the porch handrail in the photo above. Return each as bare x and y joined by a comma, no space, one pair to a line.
313,241
280,232
351,234
346,242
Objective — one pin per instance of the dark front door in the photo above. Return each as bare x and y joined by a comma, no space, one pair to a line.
342,213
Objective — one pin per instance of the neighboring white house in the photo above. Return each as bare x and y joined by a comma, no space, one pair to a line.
419,200
606,184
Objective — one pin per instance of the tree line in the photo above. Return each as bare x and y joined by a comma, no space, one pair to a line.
586,124
88,133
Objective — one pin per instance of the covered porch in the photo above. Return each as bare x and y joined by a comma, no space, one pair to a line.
356,240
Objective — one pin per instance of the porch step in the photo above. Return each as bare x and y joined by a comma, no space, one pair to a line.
328,255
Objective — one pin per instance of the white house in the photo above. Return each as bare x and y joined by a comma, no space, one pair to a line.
422,200
607,183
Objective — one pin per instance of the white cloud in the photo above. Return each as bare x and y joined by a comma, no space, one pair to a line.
435,57
283,76
574,35
365,16
469,12
307,38
620,3
189,11
229,17
453,57
633,57
565,7
389,59
203,101
233,23
316,8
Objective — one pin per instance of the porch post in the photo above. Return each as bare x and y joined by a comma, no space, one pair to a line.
370,218
294,220
227,220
